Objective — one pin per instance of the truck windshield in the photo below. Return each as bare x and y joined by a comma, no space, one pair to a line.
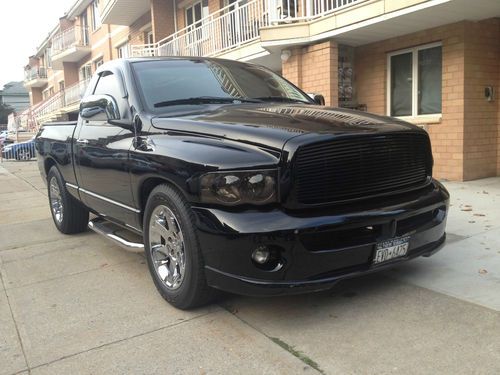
192,82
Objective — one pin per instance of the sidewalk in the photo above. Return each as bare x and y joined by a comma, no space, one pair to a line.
79,304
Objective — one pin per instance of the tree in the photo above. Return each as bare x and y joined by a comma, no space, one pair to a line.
5,111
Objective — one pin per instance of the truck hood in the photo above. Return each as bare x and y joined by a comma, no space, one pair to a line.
272,125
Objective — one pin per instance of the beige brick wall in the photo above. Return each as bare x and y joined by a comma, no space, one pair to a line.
497,98
162,18
137,31
70,73
447,137
465,142
36,95
315,69
482,64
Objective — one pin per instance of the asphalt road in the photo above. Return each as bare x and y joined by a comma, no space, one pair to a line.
81,305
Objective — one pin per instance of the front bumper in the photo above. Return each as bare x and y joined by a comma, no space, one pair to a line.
317,248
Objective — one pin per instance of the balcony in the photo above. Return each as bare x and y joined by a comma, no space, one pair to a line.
61,103
70,45
233,27
286,11
358,22
35,77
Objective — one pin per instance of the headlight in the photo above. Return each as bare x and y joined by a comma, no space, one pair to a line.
234,188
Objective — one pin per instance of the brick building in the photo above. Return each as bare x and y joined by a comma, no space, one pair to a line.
435,63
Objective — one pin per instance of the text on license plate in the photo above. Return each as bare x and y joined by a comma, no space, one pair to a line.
390,249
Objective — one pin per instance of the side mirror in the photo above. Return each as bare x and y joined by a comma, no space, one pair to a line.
318,98
99,108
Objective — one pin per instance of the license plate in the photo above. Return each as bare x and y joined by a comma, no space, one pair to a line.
391,249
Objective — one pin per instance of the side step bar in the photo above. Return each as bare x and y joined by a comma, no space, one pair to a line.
119,235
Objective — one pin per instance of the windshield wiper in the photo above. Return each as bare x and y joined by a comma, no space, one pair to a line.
205,100
281,99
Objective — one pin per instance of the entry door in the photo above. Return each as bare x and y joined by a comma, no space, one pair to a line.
102,160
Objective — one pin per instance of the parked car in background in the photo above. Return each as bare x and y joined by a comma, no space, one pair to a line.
4,138
19,151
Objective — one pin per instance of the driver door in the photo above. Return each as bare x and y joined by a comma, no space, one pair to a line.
102,158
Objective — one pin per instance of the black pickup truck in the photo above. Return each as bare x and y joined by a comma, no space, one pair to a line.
229,177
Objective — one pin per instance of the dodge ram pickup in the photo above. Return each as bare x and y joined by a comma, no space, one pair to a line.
230,177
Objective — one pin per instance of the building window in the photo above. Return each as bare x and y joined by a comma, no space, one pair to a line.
149,37
415,76
61,85
123,51
96,15
48,58
98,63
85,72
194,15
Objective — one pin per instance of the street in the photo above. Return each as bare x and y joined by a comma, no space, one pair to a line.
80,304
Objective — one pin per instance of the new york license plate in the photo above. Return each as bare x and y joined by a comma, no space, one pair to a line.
391,249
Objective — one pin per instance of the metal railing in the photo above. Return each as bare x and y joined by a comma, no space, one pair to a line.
72,37
73,94
229,27
52,107
35,72
284,11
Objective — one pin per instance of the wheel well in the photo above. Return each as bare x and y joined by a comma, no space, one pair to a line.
147,187
48,164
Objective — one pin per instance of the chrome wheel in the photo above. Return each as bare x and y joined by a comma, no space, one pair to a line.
56,200
166,244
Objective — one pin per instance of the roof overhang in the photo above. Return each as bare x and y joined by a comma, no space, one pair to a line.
77,8
124,12
412,19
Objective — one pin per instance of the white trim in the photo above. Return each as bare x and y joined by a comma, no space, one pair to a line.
99,56
422,119
414,117
105,38
187,3
121,42
146,27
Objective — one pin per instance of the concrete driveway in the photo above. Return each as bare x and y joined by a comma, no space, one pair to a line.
80,305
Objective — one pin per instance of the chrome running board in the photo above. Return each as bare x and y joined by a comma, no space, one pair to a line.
119,235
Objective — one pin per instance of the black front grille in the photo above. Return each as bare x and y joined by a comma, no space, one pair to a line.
362,166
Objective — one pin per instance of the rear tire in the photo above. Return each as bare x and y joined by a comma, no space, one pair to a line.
173,252
69,215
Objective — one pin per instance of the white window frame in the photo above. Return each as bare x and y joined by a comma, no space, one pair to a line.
98,62
87,67
428,118
96,16
191,6
120,48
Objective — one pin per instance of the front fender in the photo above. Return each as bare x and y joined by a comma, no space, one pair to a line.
180,159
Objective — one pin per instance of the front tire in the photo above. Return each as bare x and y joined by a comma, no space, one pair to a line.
69,215
172,249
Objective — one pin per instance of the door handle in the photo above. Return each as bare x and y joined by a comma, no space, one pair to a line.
84,141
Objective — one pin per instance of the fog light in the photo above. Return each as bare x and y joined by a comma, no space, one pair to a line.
261,255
